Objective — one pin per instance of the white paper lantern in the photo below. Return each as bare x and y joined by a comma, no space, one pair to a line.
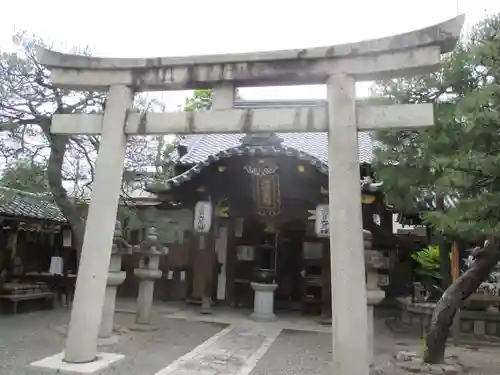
202,217
322,222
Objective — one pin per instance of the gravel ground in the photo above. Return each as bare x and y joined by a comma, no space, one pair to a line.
299,352
296,352
33,336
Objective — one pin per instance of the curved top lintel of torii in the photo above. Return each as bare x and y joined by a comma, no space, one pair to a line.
410,53
444,35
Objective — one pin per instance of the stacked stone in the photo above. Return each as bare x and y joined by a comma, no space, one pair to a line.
374,261
148,272
115,278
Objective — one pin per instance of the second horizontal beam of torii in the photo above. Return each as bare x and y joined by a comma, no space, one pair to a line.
295,119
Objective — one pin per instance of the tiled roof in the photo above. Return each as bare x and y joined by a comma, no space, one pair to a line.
200,147
241,150
28,205
249,150
312,147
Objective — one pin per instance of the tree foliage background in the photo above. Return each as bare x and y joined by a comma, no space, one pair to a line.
459,158
25,175
200,100
36,160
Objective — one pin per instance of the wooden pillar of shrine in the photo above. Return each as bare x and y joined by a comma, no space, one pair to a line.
326,297
202,263
231,263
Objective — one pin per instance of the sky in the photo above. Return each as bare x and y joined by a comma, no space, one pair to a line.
151,28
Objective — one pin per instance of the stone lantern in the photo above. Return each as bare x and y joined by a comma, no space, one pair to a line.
115,278
264,284
148,272
374,261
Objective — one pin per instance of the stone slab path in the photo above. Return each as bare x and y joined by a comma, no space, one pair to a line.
233,351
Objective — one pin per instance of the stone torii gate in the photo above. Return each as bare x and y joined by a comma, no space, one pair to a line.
338,66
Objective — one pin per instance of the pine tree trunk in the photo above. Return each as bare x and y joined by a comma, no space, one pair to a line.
444,251
444,262
453,298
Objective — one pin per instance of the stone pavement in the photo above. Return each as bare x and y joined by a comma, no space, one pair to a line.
226,342
241,317
233,351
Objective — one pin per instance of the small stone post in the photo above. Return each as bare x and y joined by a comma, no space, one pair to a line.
374,295
115,278
263,306
151,249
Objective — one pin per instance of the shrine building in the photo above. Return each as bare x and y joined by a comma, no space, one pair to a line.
259,194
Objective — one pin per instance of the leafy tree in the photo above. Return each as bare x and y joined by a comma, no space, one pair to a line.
27,103
459,157
428,262
28,100
200,100
457,161
26,176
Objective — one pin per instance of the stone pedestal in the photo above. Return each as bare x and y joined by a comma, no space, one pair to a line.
106,336
374,297
263,307
147,273
115,278
147,280
374,260
206,305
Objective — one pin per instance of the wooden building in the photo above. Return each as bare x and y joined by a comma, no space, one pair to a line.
32,229
264,190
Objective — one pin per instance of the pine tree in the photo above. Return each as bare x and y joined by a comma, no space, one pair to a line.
458,159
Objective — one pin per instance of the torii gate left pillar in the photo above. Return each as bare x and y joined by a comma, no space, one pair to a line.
337,66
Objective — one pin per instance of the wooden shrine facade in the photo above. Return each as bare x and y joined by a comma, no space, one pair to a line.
264,192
